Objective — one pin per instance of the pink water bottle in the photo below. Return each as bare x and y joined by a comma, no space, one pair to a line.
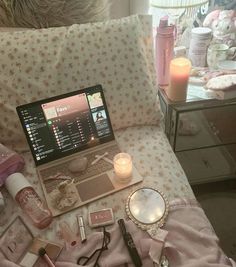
164,50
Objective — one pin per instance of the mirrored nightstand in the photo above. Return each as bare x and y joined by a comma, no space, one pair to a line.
202,133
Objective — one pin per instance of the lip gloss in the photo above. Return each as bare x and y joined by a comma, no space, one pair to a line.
68,235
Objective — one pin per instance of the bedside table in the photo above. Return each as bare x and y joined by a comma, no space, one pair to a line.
202,133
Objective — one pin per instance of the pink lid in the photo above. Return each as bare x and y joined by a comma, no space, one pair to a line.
163,22
164,28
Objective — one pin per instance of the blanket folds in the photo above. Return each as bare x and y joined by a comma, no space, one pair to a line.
190,241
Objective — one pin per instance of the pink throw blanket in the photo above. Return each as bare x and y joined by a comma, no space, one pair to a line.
187,240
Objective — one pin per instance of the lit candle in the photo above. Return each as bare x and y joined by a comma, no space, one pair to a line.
179,75
123,166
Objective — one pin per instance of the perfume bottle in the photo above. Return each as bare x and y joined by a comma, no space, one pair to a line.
10,162
164,50
24,194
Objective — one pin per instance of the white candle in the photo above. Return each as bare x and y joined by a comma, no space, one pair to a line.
179,75
123,166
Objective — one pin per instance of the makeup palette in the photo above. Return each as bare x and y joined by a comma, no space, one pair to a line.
19,246
32,259
101,217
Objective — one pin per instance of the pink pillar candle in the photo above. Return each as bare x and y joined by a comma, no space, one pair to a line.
179,75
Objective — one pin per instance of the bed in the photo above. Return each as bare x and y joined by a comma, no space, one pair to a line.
118,54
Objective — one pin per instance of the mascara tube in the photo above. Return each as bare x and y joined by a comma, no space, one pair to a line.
133,252
82,232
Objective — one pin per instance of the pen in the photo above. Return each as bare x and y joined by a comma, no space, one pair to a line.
133,252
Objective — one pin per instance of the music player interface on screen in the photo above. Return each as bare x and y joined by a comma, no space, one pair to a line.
66,124
69,120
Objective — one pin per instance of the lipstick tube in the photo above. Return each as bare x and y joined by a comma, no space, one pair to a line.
82,232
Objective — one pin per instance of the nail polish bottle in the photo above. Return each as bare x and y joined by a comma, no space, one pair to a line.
24,194
67,234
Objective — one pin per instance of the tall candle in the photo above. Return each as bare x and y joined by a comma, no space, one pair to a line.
179,75
123,167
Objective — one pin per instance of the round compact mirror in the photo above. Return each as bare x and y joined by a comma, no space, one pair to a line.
147,207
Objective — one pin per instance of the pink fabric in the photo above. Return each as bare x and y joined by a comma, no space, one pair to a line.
187,240
190,242
117,254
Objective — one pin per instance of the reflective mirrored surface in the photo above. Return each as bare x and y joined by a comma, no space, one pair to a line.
146,207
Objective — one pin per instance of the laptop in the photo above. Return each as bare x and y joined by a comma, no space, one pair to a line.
73,145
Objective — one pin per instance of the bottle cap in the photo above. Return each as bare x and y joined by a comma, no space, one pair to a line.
164,28
15,182
166,31
163,22
203,32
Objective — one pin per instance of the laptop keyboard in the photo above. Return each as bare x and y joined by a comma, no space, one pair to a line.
54,175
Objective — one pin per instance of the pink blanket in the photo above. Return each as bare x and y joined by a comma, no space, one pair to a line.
187,240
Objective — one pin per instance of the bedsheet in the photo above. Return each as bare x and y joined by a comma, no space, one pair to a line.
153,158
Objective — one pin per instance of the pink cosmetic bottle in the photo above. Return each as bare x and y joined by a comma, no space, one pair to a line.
164,50
10,162
24,194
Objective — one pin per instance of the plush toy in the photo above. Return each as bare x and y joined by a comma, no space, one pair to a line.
223,25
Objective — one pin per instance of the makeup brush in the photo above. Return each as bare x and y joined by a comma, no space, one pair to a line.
43,254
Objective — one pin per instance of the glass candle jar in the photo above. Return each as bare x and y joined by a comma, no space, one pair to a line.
123,167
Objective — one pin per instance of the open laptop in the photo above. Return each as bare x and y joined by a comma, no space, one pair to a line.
73,145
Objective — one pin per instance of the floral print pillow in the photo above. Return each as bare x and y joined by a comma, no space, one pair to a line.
118,54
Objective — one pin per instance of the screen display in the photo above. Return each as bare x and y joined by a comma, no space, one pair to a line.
65,124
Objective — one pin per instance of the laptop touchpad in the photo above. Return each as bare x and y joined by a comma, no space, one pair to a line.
95,187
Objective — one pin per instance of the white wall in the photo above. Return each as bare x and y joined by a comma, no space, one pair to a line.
139,6
123,8
120,8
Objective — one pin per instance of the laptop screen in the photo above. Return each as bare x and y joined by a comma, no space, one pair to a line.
65,124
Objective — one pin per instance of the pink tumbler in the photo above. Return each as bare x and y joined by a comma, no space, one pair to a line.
164,50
